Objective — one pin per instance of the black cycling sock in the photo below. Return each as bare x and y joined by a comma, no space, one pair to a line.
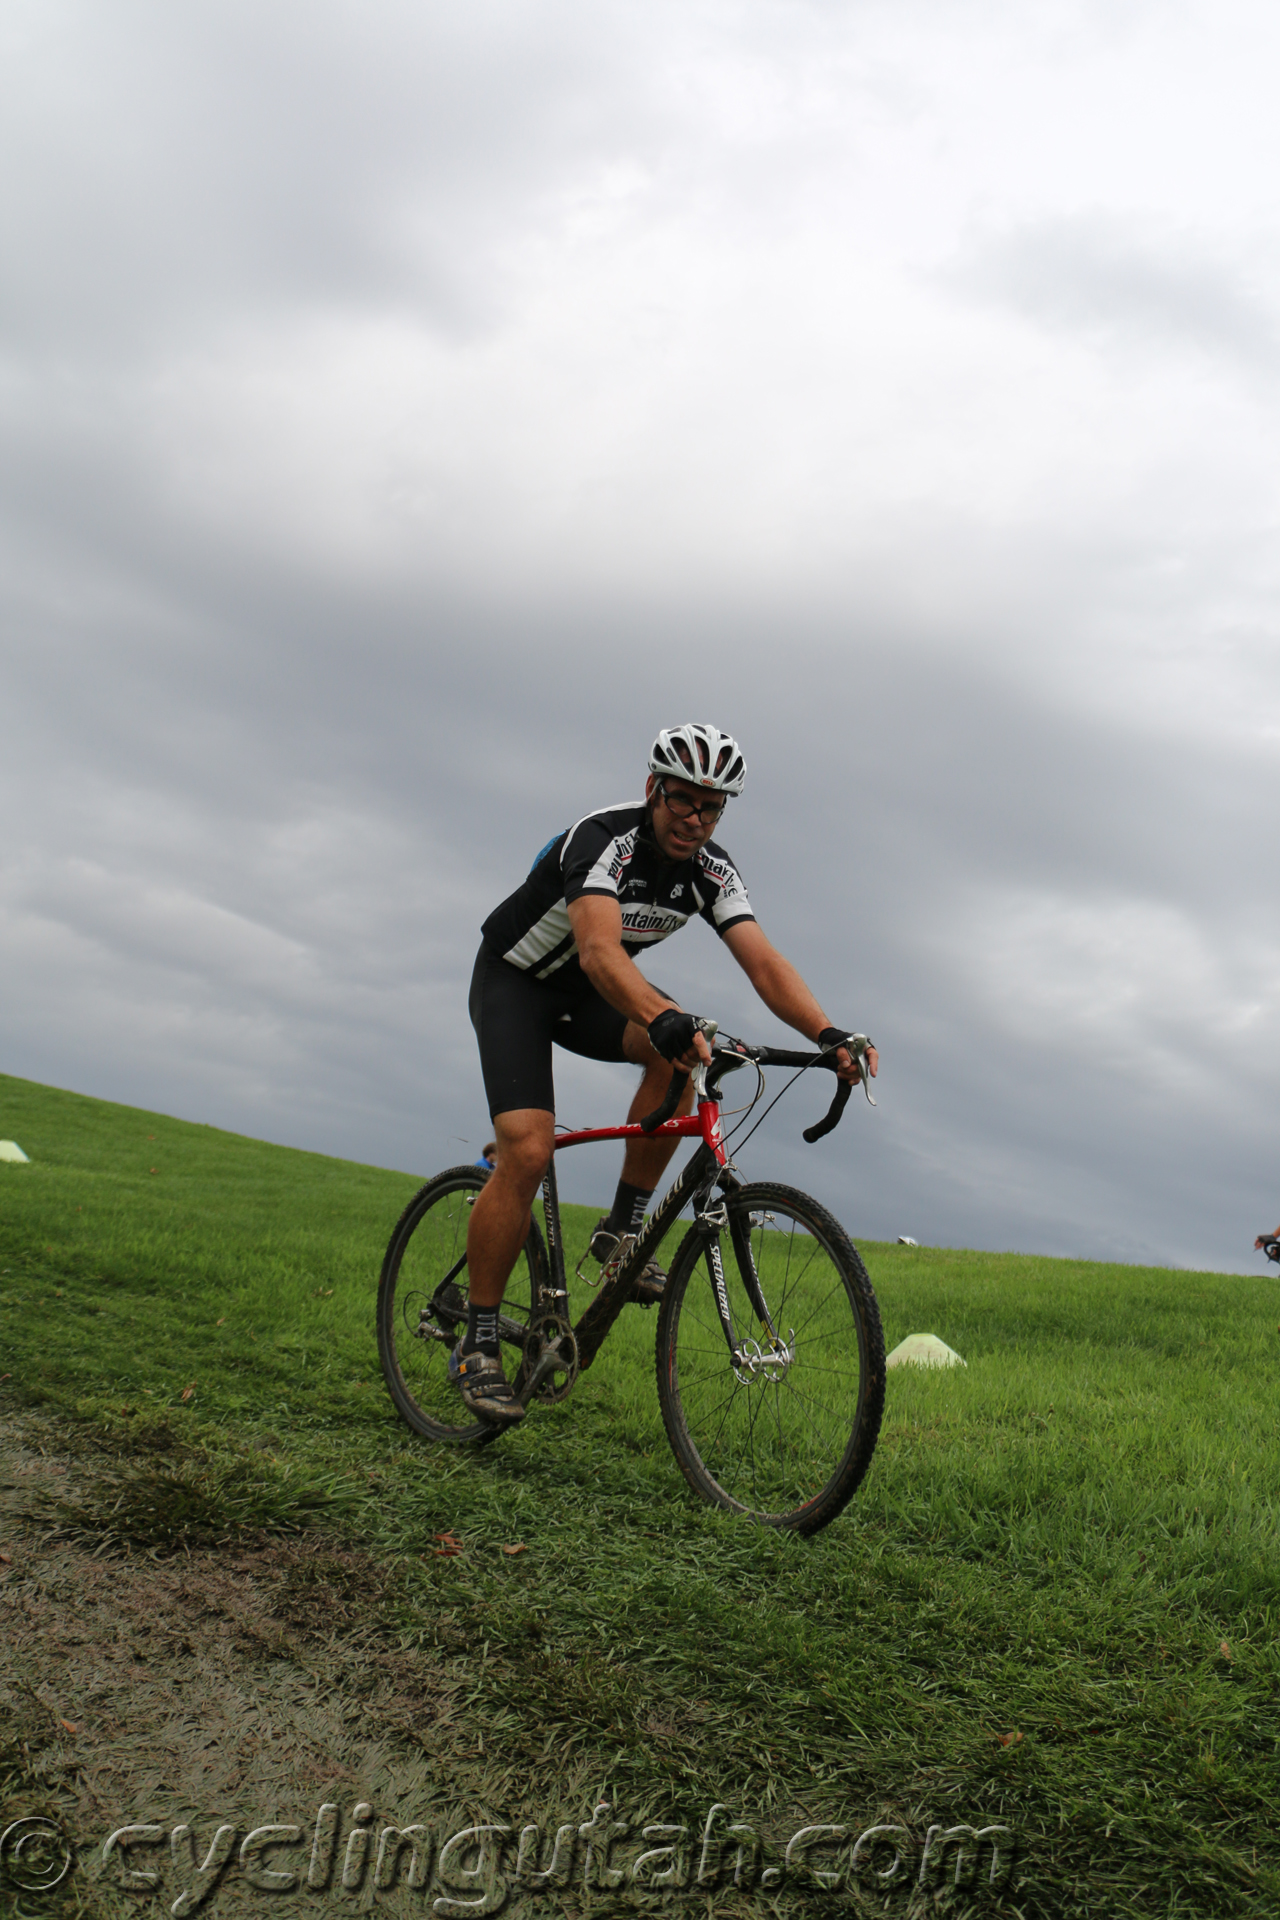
482,1330
629,1204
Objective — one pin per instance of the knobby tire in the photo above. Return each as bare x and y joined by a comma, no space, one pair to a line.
787,1447
429,1238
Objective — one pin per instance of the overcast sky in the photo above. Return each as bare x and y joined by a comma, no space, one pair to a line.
406,409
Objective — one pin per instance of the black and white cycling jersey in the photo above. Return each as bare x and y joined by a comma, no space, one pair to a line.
613,852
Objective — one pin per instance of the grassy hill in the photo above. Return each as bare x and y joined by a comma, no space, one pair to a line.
1053,1604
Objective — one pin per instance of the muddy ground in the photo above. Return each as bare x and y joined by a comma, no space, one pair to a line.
237,1687
202,1695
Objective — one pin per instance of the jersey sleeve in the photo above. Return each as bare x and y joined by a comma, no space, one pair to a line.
593,857
722,891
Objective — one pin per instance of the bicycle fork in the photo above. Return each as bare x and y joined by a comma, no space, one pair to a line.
750,1359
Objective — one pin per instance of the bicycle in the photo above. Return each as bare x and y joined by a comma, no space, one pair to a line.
770,1364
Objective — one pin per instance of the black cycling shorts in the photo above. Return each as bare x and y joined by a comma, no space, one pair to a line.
517,1018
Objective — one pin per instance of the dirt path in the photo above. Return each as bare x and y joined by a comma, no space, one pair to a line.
242,1687
203,1696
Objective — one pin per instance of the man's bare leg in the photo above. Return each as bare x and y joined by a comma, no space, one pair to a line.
647,1159
499,1224
496,1232
645,1162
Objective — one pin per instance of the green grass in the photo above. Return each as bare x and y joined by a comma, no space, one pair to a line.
1021,1618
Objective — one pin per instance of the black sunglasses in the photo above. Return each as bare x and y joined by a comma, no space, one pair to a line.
708,811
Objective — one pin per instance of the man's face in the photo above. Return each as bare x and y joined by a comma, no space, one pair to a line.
677,837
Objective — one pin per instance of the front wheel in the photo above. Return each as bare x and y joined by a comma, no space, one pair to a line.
776,1419
422,1307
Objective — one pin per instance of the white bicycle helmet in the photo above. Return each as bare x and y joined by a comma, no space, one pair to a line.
700,754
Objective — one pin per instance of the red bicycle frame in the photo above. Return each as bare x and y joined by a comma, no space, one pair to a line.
703,1125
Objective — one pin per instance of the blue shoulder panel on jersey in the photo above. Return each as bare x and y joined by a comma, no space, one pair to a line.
543,851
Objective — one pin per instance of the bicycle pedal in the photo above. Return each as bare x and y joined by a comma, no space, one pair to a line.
618,1258
587,1279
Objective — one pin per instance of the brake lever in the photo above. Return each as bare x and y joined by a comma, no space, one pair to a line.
859,1046
679,1081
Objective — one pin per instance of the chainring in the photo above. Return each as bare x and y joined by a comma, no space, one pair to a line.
549,1334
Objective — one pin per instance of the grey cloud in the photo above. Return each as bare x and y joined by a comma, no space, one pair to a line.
1127,282
312,902
258,804
165,171
169,177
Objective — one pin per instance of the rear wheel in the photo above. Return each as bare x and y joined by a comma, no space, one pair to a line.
783,1428
422,1307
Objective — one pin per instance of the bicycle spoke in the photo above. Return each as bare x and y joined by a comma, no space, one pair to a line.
752,1418
784,1431
727,1403
422,1306
832,1300
798,1278
747,1451
800,1401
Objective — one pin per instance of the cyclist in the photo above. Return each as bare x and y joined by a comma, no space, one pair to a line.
556,965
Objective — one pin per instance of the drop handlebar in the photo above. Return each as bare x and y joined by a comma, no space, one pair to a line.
728,1054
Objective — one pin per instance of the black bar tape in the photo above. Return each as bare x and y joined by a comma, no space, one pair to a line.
832,1119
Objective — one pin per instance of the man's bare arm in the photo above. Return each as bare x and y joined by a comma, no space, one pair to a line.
783,990
596,920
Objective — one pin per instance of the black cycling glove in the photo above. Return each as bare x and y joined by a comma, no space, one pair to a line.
672,1032
832,1037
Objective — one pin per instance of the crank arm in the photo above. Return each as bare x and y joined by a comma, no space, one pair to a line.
553,1359
550,1363
436,1305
